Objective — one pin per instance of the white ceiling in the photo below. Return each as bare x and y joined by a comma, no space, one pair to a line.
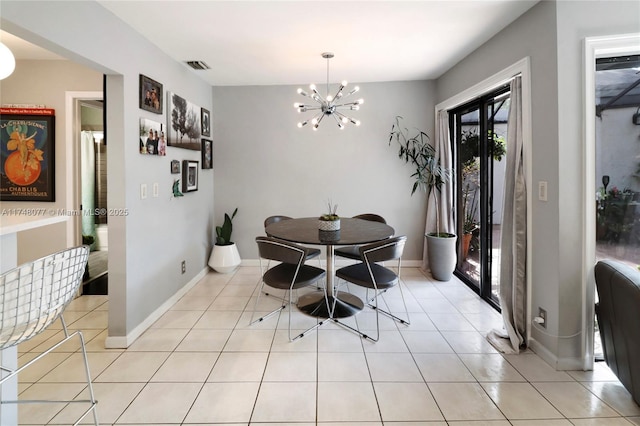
280,42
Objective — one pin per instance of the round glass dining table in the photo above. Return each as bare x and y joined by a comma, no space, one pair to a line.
330,303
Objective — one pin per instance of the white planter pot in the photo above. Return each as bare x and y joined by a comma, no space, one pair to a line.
329,225
224,259
441,252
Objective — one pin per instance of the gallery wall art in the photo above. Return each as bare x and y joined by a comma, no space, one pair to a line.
27,154
183,123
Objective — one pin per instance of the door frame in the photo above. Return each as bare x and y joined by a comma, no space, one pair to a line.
594,48
523,68
73,200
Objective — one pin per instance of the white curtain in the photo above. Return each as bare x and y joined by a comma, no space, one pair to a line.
513,242
88,172
441,200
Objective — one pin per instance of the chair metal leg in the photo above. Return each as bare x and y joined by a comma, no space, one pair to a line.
389,314
92,401
255,306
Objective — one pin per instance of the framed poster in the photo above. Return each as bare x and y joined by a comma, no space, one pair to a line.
189,176
150,95
27,154
207,154
206,122
152,140
183,123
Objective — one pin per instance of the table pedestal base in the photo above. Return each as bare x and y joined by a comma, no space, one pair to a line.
315,304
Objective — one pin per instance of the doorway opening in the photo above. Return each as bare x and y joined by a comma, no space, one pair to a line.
479,130
93,225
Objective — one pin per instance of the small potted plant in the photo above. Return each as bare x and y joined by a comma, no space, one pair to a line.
224,256
330,221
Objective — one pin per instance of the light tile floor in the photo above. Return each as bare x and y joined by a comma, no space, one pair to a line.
202,364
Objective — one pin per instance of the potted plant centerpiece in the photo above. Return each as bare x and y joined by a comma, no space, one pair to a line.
330,221
429,176
224,256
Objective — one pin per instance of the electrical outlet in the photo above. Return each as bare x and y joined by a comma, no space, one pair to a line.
184,266
156,190
543,314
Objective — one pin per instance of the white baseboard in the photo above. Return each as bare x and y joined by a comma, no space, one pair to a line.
559,364
123,342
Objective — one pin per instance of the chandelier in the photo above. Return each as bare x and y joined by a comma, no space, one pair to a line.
329,106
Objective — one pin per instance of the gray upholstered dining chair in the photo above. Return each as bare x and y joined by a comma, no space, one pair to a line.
373,276
353,252
289,275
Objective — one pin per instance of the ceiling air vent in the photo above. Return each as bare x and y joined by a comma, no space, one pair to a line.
198,65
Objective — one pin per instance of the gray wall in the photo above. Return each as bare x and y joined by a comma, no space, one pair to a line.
147,245
265,165
551,34
45,82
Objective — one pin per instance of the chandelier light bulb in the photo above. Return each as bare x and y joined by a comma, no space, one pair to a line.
314,122
344,83
344,120
357,122
360,101
329,98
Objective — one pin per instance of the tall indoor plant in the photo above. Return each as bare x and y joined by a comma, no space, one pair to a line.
224,256
429,175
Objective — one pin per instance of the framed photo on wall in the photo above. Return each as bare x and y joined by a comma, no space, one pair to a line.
189,176
183,123
175,167
151,95
207,154
152,139
27,154
206,122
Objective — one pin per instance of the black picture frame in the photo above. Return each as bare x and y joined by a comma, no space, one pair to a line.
205,122
27,155
189,176
175,167
207,154
183,123
151,95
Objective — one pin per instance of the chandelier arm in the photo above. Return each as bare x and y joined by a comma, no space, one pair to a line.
338,122
348,104
321,115
353,121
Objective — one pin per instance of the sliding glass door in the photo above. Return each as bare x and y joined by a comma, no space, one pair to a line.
479,131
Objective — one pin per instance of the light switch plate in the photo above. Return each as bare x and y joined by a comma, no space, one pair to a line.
155,190
542,190
143,191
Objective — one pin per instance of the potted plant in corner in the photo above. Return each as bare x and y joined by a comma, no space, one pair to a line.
224,256
429,176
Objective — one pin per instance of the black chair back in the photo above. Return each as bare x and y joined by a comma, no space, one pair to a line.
384,250
273,219
371,217
279,250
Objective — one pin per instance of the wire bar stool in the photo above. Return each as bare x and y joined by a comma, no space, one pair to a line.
32,297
